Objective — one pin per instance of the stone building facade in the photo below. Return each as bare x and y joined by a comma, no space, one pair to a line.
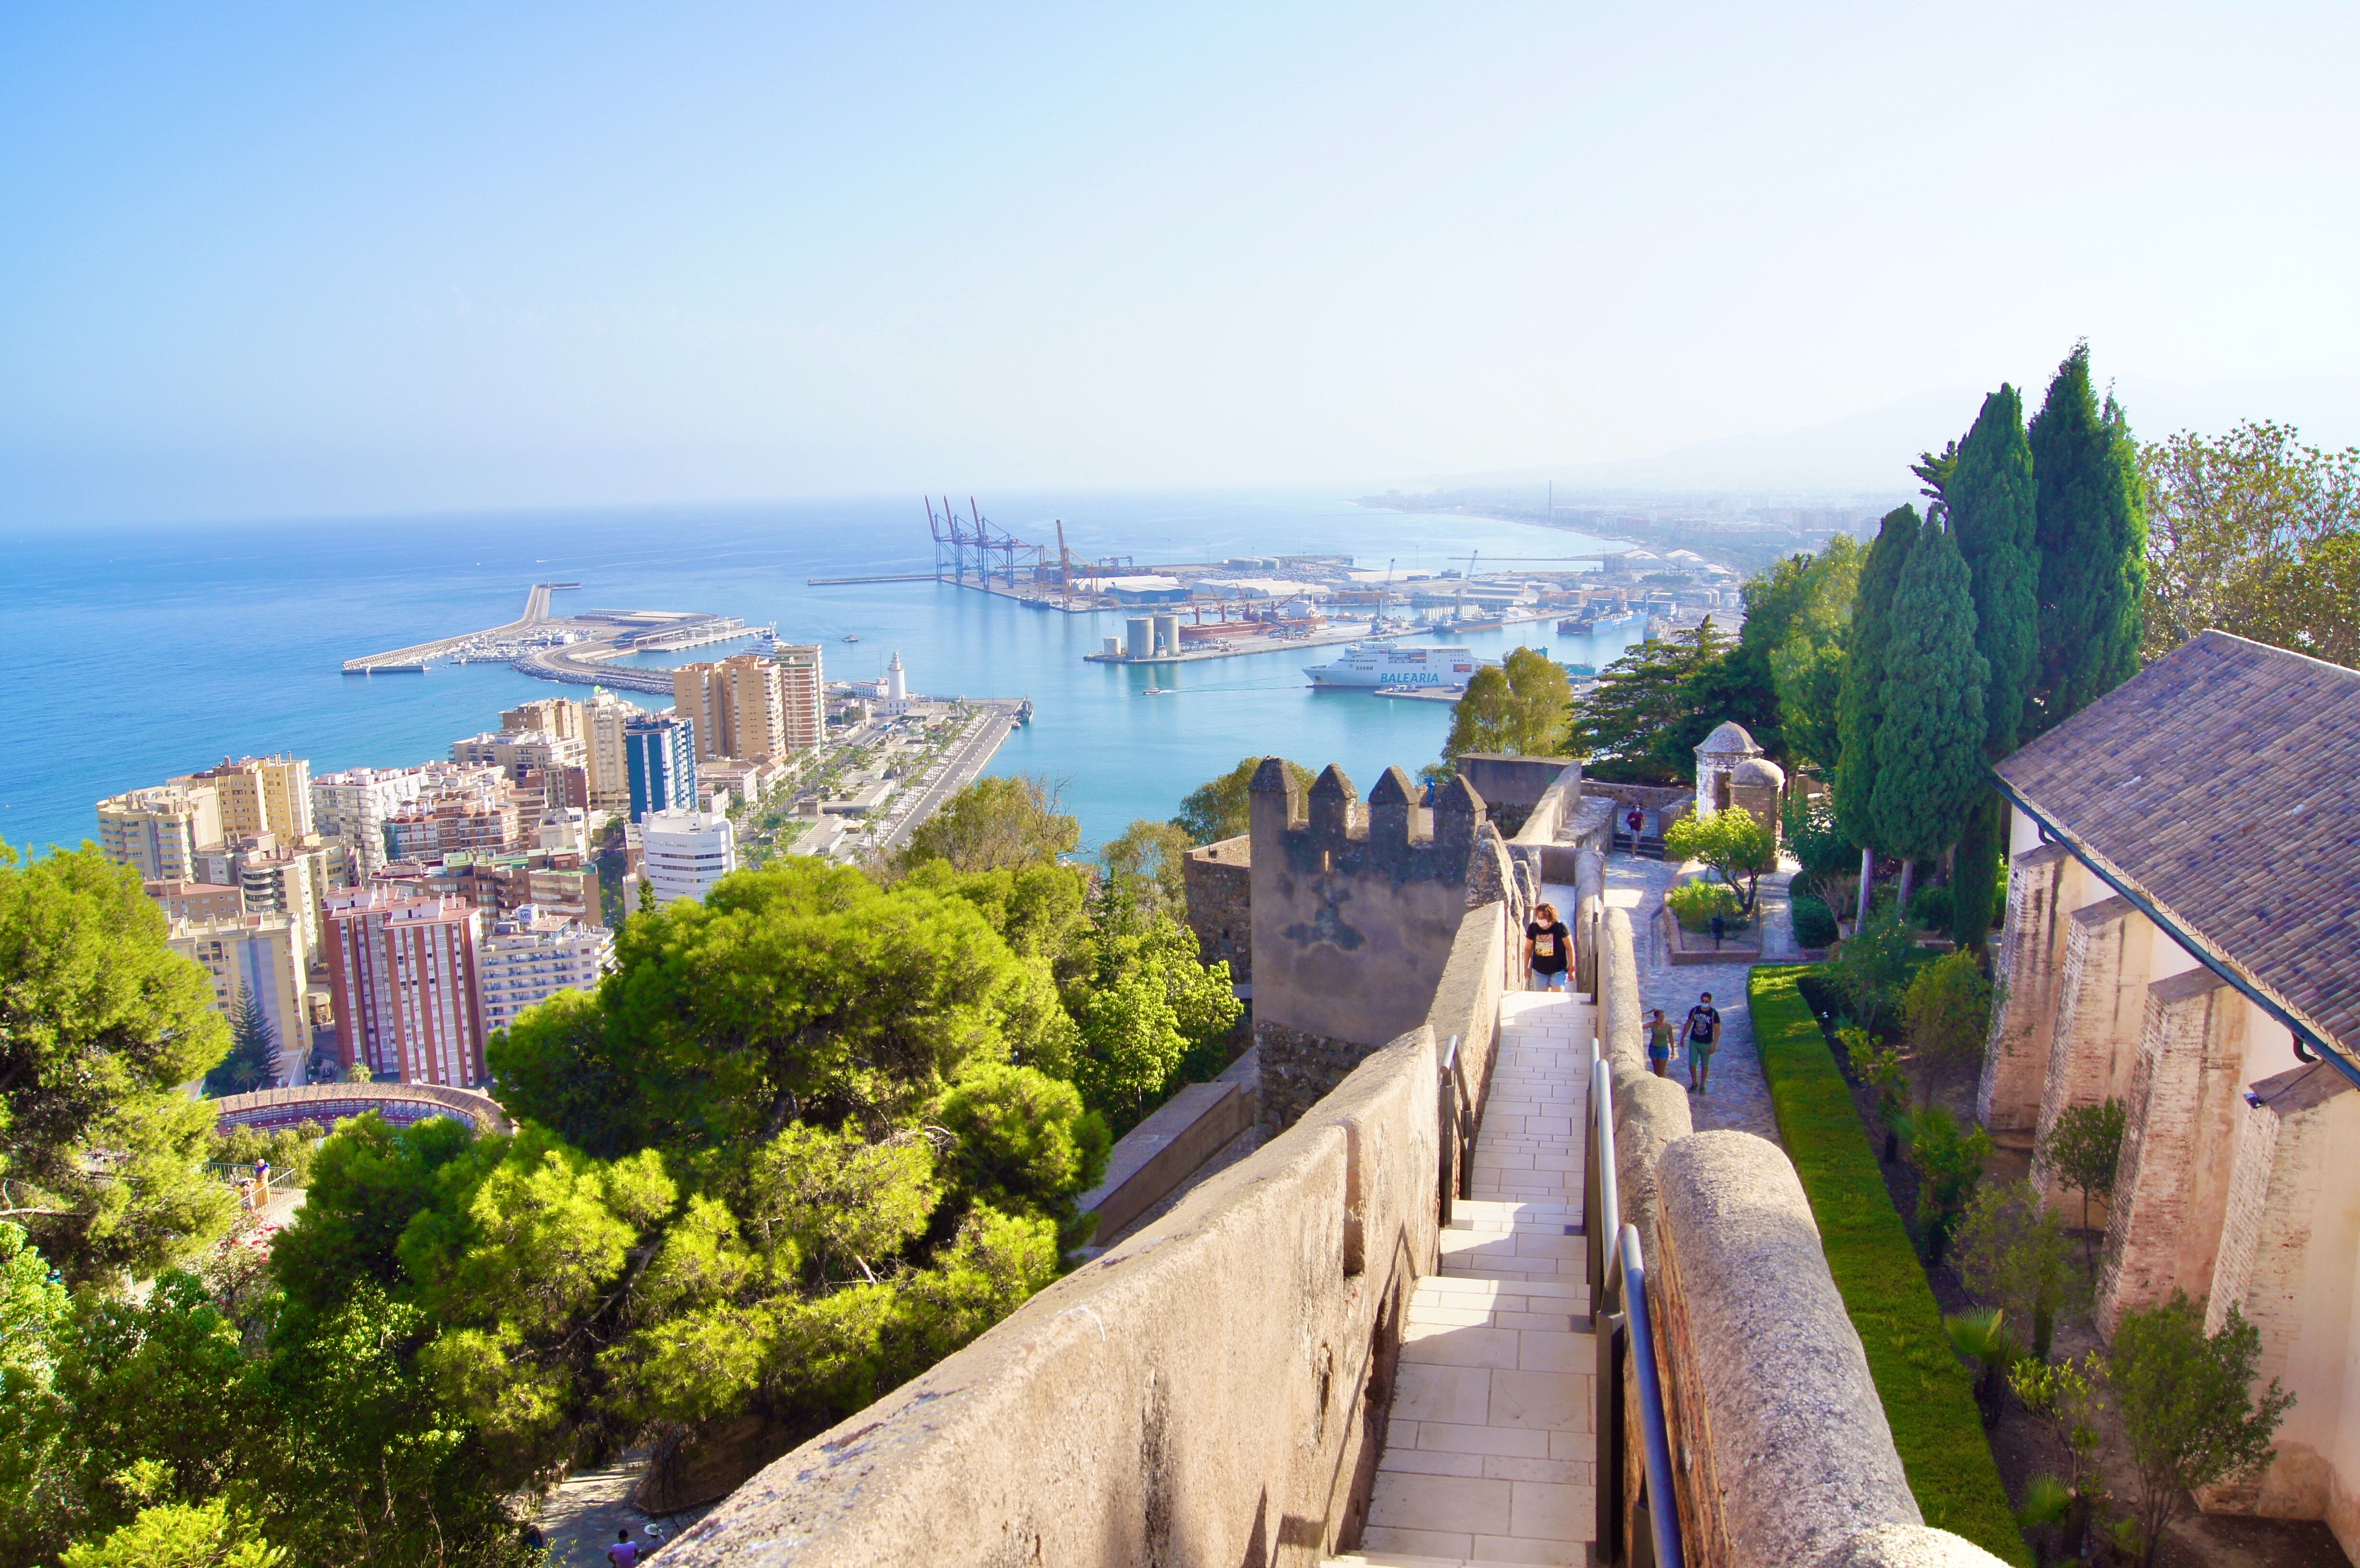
1220,882
2183,890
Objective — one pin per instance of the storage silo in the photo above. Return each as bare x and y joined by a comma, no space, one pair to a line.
1167,633
1142,636
1114,647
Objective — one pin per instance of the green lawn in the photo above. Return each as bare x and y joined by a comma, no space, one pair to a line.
1928,1400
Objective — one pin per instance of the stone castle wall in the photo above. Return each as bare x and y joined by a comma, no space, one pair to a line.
1220,882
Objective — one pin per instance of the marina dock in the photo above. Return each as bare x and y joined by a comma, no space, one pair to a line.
416,659
576,649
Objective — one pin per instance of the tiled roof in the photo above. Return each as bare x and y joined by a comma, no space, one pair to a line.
2223,782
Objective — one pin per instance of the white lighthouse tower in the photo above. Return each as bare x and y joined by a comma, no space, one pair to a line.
896,690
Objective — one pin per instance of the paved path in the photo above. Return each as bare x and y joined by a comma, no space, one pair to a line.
1736,1097
1489,1454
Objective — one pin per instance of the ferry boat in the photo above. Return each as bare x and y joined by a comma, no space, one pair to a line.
1368,665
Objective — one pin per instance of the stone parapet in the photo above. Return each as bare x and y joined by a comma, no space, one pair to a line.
1788,1455
2015,1058
1212,1390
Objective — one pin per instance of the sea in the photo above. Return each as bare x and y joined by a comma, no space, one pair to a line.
129,654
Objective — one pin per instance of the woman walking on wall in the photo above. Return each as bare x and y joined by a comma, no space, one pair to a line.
1547,945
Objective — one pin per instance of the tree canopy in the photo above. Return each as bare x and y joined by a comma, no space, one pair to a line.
1651,707
2091,530
253,1060
1929,735
1861,710
1807,666
100,1024
1519,707
996,824
2255,533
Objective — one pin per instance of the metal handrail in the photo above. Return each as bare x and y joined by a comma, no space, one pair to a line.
1618,1279
1457,1136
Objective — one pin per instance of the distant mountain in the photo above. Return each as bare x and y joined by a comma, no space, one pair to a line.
1869,453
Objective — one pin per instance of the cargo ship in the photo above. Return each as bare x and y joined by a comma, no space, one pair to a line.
1595,625
1368,665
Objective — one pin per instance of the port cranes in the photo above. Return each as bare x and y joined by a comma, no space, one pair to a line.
974,541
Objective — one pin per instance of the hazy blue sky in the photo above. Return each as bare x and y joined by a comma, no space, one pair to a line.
260,258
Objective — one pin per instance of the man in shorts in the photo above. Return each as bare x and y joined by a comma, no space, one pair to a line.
1547,945
1702,1031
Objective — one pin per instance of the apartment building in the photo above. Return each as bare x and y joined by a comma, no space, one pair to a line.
475,823
403,970
183,901
559,716
260,795
262,954
803,689
661,752
738,705
685,852
607,768
515,752
159,831
354,806
534,954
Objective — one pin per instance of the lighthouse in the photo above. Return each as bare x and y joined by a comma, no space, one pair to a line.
897,685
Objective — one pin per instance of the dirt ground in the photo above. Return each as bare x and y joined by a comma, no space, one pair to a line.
2025,1448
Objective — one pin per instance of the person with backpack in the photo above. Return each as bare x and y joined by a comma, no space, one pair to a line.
1547,945
1703,1031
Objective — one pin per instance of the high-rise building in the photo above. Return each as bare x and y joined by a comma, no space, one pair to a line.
609,771
262,954
739,707
534,954
403,972
159,831
514,752
804,695
687,853
660,754
559,716
261,795
354,806
290,879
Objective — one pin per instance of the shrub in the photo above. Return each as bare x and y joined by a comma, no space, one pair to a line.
2012,1250
1929,1401
1948,1008
2085,1148
1870,967
2188,1411
1694,904
1949,1161
1733,843
1815,923
1930,908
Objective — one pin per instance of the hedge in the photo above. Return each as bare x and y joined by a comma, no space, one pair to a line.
1929,1400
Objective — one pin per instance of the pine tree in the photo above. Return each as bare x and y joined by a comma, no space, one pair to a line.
1989,491
253,1060
1861,709
1930,738
2091,530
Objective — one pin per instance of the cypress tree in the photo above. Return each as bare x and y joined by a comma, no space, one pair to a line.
2091,532
1930,739
253,1060
1989,492
1861,708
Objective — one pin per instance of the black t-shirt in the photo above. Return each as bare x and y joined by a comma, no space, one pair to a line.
1703,1022
1550,946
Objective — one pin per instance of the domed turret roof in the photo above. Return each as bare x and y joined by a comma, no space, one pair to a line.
1729,740
1758,770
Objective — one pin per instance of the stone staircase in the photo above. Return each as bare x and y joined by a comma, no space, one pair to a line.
1489,1452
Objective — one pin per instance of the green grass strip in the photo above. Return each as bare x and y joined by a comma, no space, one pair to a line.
1928,1400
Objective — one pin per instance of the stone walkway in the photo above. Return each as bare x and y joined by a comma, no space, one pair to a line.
1488,1453
1737,1097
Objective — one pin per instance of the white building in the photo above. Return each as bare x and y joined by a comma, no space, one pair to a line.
530,956
604,717
687,853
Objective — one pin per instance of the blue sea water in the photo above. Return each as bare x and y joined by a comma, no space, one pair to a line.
128,655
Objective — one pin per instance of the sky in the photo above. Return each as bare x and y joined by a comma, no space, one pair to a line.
266,260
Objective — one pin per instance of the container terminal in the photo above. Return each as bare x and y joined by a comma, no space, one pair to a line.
1182,611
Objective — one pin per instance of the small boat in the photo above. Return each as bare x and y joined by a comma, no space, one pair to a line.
1153,692
850,637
